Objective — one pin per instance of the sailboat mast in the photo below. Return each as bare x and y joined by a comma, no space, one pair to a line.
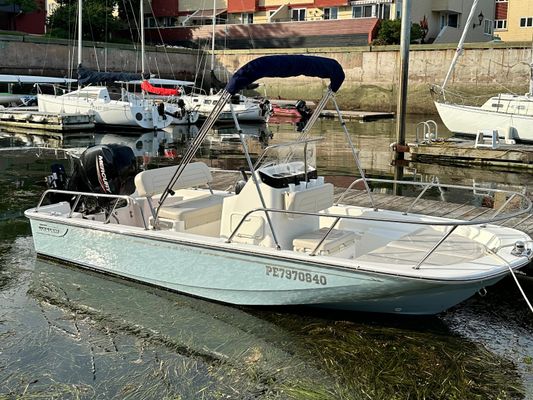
459,50
531,72
79,30
142,36
213,36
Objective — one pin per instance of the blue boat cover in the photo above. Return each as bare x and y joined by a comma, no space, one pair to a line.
87,76
284,67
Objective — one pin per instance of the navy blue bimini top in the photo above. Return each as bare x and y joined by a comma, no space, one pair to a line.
284,67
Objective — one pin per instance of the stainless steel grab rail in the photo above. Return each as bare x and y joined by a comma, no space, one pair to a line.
434,184
454,224
79,195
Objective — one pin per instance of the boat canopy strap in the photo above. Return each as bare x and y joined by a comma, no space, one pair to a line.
284,67
87,76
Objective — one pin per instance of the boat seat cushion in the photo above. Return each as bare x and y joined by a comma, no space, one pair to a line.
313,199
194,212
154,181
336,240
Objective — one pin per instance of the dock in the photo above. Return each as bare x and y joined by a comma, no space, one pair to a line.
364,116
30,118
463,152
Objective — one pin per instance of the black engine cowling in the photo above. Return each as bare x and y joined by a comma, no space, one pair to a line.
109,169
102,169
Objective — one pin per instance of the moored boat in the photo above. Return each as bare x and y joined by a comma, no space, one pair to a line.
277,238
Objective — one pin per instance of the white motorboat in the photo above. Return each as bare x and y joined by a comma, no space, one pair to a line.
278,238
246,109
509,114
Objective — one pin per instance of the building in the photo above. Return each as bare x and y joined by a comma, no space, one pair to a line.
12,17
513,20
309,23
446,19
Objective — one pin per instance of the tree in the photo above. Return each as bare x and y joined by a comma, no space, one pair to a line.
99,23
26,6
390,30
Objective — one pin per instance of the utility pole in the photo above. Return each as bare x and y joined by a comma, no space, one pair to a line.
405,40
404,76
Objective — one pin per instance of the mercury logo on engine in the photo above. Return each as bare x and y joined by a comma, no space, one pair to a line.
102,178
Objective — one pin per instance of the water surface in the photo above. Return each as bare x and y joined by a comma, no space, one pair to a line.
70,333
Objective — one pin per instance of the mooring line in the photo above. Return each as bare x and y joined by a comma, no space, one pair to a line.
520,287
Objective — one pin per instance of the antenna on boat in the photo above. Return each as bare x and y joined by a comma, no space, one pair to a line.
79,30
460,45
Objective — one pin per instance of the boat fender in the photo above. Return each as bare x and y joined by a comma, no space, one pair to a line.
239,186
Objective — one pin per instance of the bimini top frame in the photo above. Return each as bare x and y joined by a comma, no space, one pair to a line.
270,66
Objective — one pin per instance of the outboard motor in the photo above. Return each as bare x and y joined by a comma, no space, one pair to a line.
108,169
161,110
266,107
303,110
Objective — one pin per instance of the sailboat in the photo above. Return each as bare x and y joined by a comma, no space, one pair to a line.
277,238
246,109
9,97
174,108
511,115
129,111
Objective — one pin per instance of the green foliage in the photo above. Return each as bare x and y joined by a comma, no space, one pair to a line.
99,23
390,30
26,6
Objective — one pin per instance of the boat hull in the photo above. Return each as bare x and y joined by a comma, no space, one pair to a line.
467,120
113,113
224,273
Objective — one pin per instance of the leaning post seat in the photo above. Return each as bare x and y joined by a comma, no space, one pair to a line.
190,212
153,181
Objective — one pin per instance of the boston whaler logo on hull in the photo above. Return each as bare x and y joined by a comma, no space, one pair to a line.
102,177
51,230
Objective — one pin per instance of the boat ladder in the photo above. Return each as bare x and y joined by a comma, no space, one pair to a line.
429,131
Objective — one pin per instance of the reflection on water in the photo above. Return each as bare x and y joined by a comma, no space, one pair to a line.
70,333
222,149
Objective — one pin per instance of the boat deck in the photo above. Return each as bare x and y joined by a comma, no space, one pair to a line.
465,211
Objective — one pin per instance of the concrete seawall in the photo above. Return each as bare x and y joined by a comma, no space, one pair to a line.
371,72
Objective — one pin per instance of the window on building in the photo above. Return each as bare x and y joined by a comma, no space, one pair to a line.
384,11
488,27
298,14
526,22
150,22
247,18
331,13
362,11
453,20
500,24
